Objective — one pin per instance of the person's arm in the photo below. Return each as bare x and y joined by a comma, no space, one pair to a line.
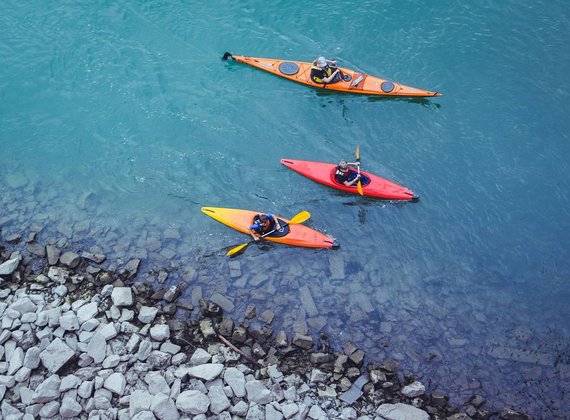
330,62
253,232
276,224
331,77
354,181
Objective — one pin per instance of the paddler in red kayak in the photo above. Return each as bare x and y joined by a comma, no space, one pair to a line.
343,175
263,224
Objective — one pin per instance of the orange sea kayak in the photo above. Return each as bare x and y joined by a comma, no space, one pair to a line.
292,234
354,82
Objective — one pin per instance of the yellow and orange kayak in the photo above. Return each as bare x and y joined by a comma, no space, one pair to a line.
353,82
291,234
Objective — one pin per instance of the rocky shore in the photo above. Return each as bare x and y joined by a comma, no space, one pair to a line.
78,340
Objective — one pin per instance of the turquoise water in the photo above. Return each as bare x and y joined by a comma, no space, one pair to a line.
118,121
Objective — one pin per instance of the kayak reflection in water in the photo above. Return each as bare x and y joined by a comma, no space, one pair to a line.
262,224
345,176
325,71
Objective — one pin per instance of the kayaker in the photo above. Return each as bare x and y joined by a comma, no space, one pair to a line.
343,175
263,223
325,71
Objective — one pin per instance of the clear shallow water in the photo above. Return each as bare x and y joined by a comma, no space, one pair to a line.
131,103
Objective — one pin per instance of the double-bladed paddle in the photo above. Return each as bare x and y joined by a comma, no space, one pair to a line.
358,184
298,218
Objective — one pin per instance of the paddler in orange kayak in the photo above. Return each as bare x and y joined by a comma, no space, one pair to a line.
263,224
325,71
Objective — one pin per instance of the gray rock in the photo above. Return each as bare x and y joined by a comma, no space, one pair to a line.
147,314
97,258
145,348
271,413
16,361
223,302
60,290
318,376
303,341
23,306
255,412
207,328
32,359
122,296
8,267
289,410
139,401
53,254
111,361
160,332
69,321
158,359
58,274
257,392
48,390
116,383
307,301
414,389
69,382
170,347
401,411
317,413
23,375
37,249
85,389
156,383
218,399
199,357
132,267
179,359
172,294
69,407
70,259
348,413
50,409
97,347
108,331
192,402
56,355
164,407
86,314
240,409
144,415
102,399
207,372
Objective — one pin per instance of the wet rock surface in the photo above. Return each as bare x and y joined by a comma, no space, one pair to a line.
79,342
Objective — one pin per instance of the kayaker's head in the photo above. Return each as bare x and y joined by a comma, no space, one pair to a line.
262,218
321,62
343,166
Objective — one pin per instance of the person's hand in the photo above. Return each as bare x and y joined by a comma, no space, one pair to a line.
277,226
256,239
358,176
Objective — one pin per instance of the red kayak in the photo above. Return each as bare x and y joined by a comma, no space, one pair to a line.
372,185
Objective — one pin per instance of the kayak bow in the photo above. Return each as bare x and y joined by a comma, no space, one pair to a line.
292,234
372,185
354,82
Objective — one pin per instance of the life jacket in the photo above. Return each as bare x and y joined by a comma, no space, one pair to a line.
319,70
341,176
259,227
